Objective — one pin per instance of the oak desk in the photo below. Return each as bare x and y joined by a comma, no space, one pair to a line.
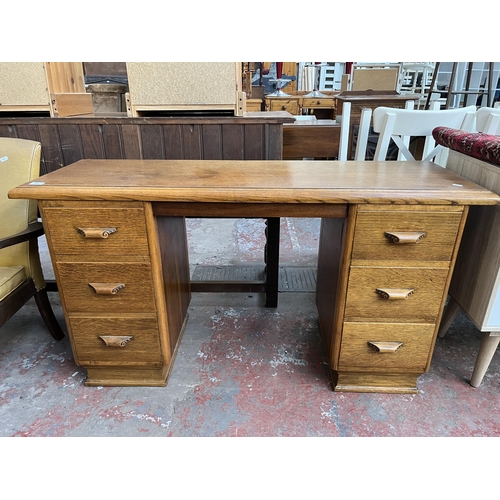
389,237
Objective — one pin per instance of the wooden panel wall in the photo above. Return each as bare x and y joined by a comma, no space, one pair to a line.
68,140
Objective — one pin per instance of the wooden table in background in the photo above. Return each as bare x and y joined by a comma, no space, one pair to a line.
311,139
297,104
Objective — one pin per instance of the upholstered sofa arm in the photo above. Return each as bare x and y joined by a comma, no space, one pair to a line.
34,230
484,147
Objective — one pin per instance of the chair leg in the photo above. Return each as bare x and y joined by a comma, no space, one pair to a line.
450,312
43,304
489,344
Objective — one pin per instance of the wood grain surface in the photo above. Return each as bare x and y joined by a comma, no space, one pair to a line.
240,181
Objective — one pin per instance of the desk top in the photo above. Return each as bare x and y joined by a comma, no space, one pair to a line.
312,123
377,97
290,182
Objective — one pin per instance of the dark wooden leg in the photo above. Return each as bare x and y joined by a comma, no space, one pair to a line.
42,301
51,286
271,257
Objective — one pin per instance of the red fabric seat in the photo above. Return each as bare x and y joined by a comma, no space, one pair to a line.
484,147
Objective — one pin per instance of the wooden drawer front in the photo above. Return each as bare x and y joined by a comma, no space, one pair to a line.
254,104
422,306
290,105
356,352
315,102
65,225
143,347
80,297
371,242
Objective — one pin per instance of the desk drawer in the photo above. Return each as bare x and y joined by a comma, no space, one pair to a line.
315,102
98,231
106,287
376,232
423,287
404,346
290,105
129,340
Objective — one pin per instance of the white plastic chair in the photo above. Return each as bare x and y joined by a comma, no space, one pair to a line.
401,124
488,120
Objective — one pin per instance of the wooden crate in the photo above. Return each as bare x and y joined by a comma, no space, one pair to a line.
184,87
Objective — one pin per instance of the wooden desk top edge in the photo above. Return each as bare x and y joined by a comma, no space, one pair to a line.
261,181
378,97
250,117
312,123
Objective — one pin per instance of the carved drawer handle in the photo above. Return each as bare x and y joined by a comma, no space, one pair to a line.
107,288
406,236
395,293
96,232
390,347
116,340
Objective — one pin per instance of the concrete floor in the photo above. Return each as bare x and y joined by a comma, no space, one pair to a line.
241,370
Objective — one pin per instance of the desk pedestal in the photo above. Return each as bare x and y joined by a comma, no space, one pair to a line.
123,277
383,275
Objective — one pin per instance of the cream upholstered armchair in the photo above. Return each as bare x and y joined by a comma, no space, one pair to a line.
21,276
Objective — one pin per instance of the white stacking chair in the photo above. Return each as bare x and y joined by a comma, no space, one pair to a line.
345,122
401,124
488,120
364,131
362,139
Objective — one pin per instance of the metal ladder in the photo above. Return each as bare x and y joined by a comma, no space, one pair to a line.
451,92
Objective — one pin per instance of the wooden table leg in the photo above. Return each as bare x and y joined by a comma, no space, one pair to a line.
271,257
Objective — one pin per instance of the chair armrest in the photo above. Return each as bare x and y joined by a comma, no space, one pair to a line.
34,230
